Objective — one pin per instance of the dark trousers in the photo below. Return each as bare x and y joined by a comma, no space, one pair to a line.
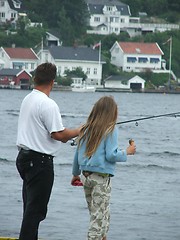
37,172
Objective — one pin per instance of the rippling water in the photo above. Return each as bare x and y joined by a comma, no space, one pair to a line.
145,203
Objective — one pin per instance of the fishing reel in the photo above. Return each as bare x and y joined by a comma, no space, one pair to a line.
73,142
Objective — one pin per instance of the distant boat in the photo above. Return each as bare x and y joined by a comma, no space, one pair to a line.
83,88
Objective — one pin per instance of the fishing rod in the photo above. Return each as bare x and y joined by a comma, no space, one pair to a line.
73,143
150,117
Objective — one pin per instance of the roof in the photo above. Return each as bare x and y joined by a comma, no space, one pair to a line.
140,48
21,53
12,6
117,78
96,7
11,72
75,53
122,78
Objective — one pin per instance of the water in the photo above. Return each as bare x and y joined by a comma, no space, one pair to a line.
145,202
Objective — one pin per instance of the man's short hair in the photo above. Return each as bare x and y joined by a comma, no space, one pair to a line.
44,74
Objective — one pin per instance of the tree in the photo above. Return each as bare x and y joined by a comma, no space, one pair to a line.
65,28
68,16
78,72
22,24
64,81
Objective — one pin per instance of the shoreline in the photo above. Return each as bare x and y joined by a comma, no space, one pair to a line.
69,89
162,91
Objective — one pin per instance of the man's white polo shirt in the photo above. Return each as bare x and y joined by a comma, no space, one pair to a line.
39,117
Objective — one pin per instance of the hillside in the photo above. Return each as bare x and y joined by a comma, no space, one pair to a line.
68,19
166,10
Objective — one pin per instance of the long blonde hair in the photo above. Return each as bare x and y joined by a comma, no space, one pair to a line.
100,123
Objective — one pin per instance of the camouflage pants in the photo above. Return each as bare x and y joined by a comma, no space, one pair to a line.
97,192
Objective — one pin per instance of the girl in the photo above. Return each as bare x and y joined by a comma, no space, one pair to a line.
95,157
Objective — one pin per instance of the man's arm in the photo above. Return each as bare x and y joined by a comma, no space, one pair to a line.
65,135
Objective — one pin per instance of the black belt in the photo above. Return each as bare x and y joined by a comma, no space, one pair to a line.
38,154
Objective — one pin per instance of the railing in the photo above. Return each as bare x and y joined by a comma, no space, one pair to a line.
150,25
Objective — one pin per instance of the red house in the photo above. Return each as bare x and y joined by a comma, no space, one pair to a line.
14,78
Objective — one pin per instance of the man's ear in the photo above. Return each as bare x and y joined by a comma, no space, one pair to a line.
52,83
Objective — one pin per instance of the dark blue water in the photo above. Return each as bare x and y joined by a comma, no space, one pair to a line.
145,203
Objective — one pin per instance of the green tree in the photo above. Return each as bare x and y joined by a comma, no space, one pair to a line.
21,25
68,16
64,81
65,28
78,72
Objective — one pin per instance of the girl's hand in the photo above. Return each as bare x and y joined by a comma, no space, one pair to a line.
131,149
76,181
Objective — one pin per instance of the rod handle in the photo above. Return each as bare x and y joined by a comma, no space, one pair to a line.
131,142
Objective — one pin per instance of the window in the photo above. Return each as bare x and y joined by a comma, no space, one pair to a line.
142,59
109,8
17,5
96,19
122,20
26,65
131,59
154,60
116,19
18,65
111,19
88,71
13,15
32,65
95,71
2,15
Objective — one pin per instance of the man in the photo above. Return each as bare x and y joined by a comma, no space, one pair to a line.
40,128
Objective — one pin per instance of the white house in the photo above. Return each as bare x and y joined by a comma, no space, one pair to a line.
70,58
52,40
124,83
107,16
18,58
137,56
113,16
9,10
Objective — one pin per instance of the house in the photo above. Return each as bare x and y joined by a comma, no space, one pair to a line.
70,58
52,40
14,78
107,16
137,56
113,16
9,10
124,83
18,58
